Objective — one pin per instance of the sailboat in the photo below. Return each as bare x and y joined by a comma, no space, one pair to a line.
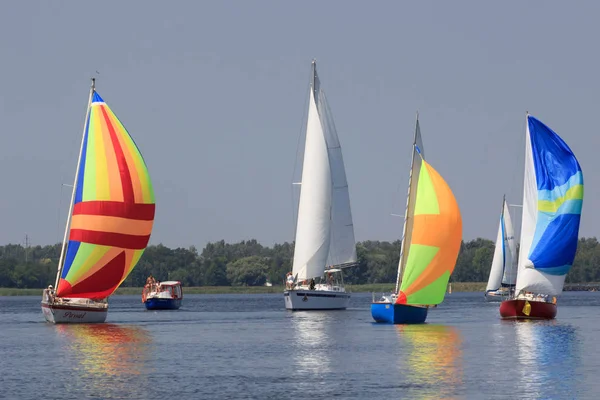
109,222
503,273
552,201
324,231
429,248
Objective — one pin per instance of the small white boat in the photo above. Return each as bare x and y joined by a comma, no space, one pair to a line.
324,230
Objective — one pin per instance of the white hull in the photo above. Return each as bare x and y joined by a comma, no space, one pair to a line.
315,300
74,314
496,296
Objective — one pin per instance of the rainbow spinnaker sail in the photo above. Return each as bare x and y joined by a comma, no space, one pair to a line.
113,209
435,241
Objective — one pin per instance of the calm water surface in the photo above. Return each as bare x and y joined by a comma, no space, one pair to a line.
250,347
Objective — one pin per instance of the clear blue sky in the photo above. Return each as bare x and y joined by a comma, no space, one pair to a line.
214,94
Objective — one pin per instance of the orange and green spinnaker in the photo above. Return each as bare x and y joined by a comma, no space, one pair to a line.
113,209
435,241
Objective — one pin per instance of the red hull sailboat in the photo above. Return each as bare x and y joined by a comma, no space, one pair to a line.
552,201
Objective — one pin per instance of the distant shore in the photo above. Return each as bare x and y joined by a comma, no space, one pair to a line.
367,288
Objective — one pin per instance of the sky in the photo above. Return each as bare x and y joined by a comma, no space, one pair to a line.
214,93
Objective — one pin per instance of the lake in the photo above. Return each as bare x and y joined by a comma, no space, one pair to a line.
250,347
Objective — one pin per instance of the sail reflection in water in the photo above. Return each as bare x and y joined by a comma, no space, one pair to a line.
547,357
109,358
431,363
311,342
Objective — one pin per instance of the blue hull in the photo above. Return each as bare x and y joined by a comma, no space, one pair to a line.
162,304
398,313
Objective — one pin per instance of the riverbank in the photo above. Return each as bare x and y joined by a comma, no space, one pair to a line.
375,287
368,288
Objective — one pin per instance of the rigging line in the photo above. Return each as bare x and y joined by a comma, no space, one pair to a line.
302,129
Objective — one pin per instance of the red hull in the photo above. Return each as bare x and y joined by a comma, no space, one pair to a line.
517,309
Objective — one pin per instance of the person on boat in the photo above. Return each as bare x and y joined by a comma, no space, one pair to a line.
49,296
312,284
290,280
330,279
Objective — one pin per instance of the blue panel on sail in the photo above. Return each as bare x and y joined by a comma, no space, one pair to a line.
72,249
553,160
560,197
555,249
96,98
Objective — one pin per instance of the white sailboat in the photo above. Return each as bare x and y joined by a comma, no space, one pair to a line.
503,273
324,232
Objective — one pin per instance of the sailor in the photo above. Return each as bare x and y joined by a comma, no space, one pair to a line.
290,280
312,284
49,296
329,278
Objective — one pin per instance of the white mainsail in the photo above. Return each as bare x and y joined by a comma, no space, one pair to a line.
551,211
324,231
510,260
503,271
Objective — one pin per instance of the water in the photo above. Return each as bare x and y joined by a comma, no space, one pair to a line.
250,347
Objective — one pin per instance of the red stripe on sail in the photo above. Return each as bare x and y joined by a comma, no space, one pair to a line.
99,285
137,211
128,196
121,240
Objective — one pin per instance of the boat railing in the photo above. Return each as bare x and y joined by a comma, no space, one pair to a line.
382,297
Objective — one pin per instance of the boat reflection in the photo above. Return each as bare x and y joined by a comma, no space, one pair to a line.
111,359
311,341
431,360
548,355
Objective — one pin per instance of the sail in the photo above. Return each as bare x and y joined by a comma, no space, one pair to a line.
552,201
510,250
435,241
313,229
418,153
324,231
503,271
113,209
342,245
498,262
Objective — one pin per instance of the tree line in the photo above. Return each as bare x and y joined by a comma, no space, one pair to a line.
248,263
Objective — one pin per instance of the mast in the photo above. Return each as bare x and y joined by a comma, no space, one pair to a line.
406,211
504,238
313,77
68,225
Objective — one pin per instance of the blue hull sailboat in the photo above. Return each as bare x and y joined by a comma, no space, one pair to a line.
430,246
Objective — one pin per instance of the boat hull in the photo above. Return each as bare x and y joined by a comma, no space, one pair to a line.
297,300
392,313
162,304
77,314
517,309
